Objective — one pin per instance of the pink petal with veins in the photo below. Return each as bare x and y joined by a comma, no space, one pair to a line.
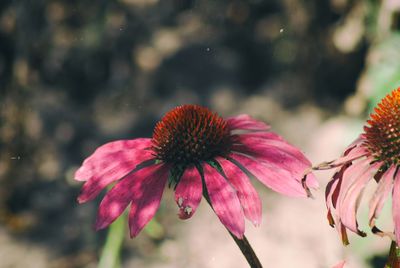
119,197
396,207
246,122
146,197
246,193
377,201
352,195
224,201
189,192
272,176
105,167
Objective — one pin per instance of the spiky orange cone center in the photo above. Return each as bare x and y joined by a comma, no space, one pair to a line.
383,133
190,134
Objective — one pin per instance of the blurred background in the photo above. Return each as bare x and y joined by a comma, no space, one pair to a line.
76,74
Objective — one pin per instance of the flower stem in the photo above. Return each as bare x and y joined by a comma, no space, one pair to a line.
243,245
247,251
394,256
110,256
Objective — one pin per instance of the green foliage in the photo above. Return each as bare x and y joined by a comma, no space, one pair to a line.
384,72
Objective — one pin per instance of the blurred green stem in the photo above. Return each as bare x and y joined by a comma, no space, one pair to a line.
394,256
110,256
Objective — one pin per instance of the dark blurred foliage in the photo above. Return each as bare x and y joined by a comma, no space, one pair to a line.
75,74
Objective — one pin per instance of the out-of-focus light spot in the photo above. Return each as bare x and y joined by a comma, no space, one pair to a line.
347,36
49,166
355,105
7,21
140,3
33,125
268,28
21,71
147,58
166,41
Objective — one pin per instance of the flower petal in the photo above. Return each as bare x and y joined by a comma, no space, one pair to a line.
381,194
109,168
119,197
246,122
246,193
146,197
108,155
224,201
277,156
272,176
271,139
355,178
340,264
352,154
189,192
396,207
272,148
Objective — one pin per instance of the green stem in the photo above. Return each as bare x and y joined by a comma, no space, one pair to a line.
110,256
394,256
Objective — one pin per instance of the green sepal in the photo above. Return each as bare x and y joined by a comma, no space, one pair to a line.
175,175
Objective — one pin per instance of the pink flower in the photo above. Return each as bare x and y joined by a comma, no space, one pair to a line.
373,156
200,154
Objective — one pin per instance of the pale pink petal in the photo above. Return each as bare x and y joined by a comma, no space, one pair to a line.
354,181
332,192
248,196
224,201
146,197
381,194
340,264
119,197
353,154
189,192
272,176
396,207
115,166
246,122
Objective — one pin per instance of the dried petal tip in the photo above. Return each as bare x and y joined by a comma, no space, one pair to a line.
383,133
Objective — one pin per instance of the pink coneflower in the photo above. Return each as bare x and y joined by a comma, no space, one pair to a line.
375,155
200,154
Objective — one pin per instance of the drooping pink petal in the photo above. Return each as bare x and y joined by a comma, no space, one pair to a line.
281,157
146,197
246,193
396,207
353,154
189,192
110,168
224,201
272,176
246,122
381,194
331,193
352,196
252,140
105,156
119,197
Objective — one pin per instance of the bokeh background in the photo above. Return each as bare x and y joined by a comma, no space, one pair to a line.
75,74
